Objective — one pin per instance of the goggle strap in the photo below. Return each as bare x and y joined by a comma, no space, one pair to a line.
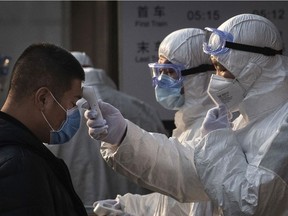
254,49
200,69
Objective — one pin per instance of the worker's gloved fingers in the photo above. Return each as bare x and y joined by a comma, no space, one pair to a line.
108,207
108,125
108,202
98,133
91,114
216,118
212,113
96,123
222,109
82,103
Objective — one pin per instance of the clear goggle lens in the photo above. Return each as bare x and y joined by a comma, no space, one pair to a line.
159,72
216,41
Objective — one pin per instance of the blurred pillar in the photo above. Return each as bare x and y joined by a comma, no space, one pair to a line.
94,31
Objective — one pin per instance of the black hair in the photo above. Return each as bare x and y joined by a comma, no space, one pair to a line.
44,65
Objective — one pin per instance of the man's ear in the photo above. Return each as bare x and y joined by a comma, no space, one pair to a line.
41,97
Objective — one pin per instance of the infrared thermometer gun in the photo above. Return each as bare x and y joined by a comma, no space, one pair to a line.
90,95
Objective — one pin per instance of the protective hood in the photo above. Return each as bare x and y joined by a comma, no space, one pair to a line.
83,59
95,76
184,47
263,77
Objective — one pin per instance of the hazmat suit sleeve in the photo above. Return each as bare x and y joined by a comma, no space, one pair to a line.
156,162
242,188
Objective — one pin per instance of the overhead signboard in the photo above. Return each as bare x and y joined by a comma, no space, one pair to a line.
144,24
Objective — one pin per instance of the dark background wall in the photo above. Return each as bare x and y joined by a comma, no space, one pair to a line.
96,19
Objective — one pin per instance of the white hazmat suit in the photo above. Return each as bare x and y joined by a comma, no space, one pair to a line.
245,171
183,47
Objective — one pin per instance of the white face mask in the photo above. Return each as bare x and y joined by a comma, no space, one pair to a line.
226,91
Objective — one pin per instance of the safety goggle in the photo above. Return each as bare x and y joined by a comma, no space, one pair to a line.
4,64
174,72
219,42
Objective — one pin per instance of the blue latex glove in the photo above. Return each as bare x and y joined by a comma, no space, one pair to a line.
216,118
108,207
112,121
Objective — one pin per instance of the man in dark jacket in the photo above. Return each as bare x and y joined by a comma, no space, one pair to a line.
40,108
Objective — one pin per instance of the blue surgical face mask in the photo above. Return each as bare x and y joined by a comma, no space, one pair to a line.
68,128
171,97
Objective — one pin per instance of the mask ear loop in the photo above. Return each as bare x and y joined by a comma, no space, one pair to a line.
45,116
47,121
57,102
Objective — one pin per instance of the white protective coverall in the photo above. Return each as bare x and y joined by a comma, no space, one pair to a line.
163,164
245,171
92,178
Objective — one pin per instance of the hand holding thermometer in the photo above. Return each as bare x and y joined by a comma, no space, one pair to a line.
90,95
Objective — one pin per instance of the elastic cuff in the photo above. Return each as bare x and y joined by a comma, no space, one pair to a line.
122,138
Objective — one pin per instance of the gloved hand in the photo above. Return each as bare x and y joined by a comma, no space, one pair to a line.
109,207
216,118
100,126
114,122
